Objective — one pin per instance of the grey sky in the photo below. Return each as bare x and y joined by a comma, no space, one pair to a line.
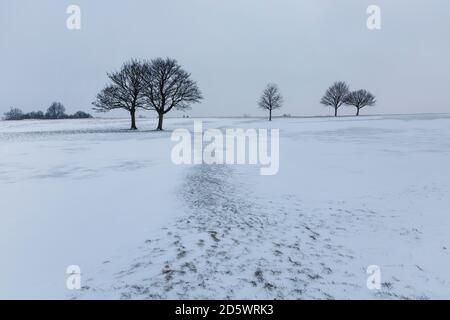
233,48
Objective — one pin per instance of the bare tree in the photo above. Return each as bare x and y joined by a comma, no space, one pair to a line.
56,111
335,96
125,92
271,99
168,86
360,99
14,114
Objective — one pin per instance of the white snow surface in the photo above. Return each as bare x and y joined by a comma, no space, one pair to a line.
351,192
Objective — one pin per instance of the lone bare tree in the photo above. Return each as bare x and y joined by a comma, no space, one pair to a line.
125,91
360,99
335,96
168,86
271,99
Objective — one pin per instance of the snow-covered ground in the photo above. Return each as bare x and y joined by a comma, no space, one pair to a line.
351,192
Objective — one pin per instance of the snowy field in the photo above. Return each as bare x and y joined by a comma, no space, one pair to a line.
351,192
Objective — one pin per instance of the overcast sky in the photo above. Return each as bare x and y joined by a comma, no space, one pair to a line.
233,48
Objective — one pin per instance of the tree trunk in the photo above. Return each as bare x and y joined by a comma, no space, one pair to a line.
270,114
160,121
335,111
357,112
133,119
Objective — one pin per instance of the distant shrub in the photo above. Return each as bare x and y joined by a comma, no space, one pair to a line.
55,111
81,115
34,115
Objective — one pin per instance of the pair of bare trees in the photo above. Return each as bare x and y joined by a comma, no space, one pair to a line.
339,94
160,85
